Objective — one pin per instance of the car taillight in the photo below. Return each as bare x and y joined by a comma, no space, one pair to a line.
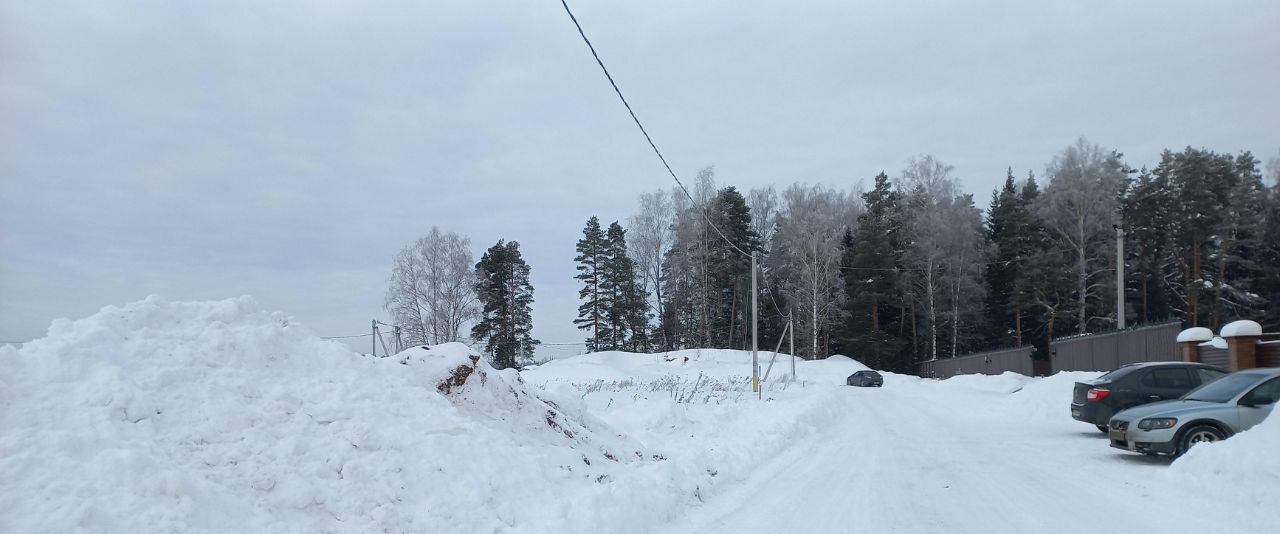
1097,394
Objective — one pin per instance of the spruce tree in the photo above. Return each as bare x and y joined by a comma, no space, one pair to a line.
869,267
625,316
506,298
1000,275
592,253
729,270
1013,230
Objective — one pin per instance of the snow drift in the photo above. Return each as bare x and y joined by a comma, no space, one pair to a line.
221,417
1243,469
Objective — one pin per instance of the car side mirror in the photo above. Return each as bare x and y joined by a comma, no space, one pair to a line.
1254,399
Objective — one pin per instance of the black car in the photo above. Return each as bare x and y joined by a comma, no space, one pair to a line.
1095,401
866,378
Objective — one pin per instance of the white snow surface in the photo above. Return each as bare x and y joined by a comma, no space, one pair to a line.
165,416
1196,333
1241,328
1242,470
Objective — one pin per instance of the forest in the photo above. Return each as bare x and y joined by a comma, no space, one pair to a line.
913,268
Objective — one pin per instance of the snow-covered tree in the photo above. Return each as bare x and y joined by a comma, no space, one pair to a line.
1080,206
650,237
927,189
805,259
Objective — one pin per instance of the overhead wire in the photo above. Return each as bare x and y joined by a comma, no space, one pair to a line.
347,337
643,130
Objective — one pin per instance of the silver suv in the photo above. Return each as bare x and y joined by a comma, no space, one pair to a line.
1211,412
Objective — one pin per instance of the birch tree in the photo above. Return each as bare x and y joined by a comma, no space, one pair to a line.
1080,205
650,238
928,189
430,293
806,257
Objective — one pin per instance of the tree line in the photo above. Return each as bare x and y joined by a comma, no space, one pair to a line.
913,269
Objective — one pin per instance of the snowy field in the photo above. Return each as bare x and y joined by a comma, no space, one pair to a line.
221,417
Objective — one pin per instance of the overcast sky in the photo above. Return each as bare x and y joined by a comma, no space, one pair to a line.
287,150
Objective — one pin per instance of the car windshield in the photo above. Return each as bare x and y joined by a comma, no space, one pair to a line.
1223,389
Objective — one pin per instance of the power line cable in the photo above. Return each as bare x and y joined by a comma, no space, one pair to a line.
642,129
346,337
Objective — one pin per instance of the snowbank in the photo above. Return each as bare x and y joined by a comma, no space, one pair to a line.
1244,469
1046,399
221,417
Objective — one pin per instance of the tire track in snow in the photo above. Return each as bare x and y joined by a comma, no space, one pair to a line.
902,459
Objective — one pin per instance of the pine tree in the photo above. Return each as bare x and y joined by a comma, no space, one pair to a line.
1240,244
1268,284
506,297
592,253
1203,181
1152,274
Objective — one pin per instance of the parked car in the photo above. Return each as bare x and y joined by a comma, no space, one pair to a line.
865,378
1095,401
1212,412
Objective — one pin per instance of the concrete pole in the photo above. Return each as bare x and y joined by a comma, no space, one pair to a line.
791,331
1119,277
755,322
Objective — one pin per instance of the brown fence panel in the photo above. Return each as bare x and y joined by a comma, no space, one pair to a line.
1213,356
1268,354
1104,352
1132,348
1017,360
1072,354
1093,352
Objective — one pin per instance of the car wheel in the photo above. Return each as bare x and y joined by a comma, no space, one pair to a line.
1198,434
1102,428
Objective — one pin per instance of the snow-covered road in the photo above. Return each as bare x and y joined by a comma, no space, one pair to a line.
901,461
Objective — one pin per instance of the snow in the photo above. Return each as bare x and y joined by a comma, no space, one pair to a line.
219,416
1241,328
1242,470
1216,342
1195,334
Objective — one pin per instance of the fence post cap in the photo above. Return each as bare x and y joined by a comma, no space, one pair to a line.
1241,328
1196,334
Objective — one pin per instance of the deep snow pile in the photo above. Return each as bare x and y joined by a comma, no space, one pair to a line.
1244,468
220,417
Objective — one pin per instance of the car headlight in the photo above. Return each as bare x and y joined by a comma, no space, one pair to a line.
1158,423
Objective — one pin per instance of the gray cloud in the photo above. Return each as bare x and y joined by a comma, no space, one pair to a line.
287,150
